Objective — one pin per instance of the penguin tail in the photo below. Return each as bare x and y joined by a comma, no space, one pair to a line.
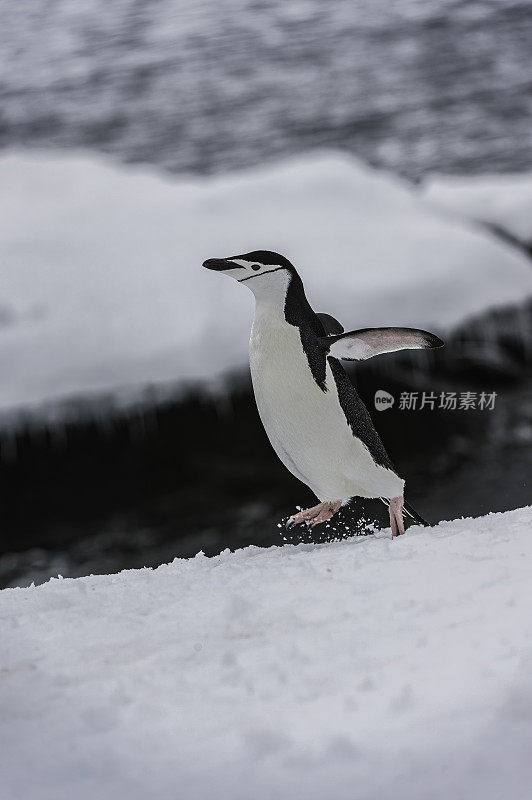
407,508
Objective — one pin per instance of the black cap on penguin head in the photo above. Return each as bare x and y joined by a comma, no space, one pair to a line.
266,258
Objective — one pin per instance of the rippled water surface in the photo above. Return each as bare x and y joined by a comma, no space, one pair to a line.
414,85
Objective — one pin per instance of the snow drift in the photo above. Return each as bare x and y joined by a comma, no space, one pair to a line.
102,288
368,668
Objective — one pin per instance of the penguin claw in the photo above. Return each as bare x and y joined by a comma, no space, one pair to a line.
313,516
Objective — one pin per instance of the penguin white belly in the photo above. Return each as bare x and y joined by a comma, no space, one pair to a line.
307,426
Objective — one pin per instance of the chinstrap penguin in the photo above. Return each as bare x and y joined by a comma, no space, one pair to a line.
315,420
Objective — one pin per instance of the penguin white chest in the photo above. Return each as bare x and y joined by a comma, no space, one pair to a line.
306,425
286,393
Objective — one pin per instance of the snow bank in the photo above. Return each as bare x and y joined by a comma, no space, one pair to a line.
369,668
501,200
102,288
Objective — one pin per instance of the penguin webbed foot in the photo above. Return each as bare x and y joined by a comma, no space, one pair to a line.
313,516
396,516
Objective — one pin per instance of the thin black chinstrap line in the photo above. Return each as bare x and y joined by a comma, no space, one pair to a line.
241,280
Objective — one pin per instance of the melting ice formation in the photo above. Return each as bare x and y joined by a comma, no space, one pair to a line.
103,291
502,201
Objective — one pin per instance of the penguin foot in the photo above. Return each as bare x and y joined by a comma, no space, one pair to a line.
396,516
320,513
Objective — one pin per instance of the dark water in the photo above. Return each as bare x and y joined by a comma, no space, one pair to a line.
414,85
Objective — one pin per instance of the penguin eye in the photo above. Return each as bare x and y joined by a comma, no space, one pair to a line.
255,267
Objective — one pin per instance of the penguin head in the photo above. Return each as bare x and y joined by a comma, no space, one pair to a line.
260,270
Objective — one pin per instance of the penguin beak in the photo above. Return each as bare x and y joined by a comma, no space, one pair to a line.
220,264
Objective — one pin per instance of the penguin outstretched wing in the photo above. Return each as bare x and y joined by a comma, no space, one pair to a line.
330,324
368,342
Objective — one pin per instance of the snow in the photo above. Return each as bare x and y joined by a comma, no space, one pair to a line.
103,292
367,668
504,201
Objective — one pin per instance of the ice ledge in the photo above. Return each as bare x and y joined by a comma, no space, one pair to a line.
103,292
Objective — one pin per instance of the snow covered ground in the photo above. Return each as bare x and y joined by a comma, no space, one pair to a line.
501,200
368,668
102,288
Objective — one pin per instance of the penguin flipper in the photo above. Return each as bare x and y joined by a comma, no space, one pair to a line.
368,342
330,324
